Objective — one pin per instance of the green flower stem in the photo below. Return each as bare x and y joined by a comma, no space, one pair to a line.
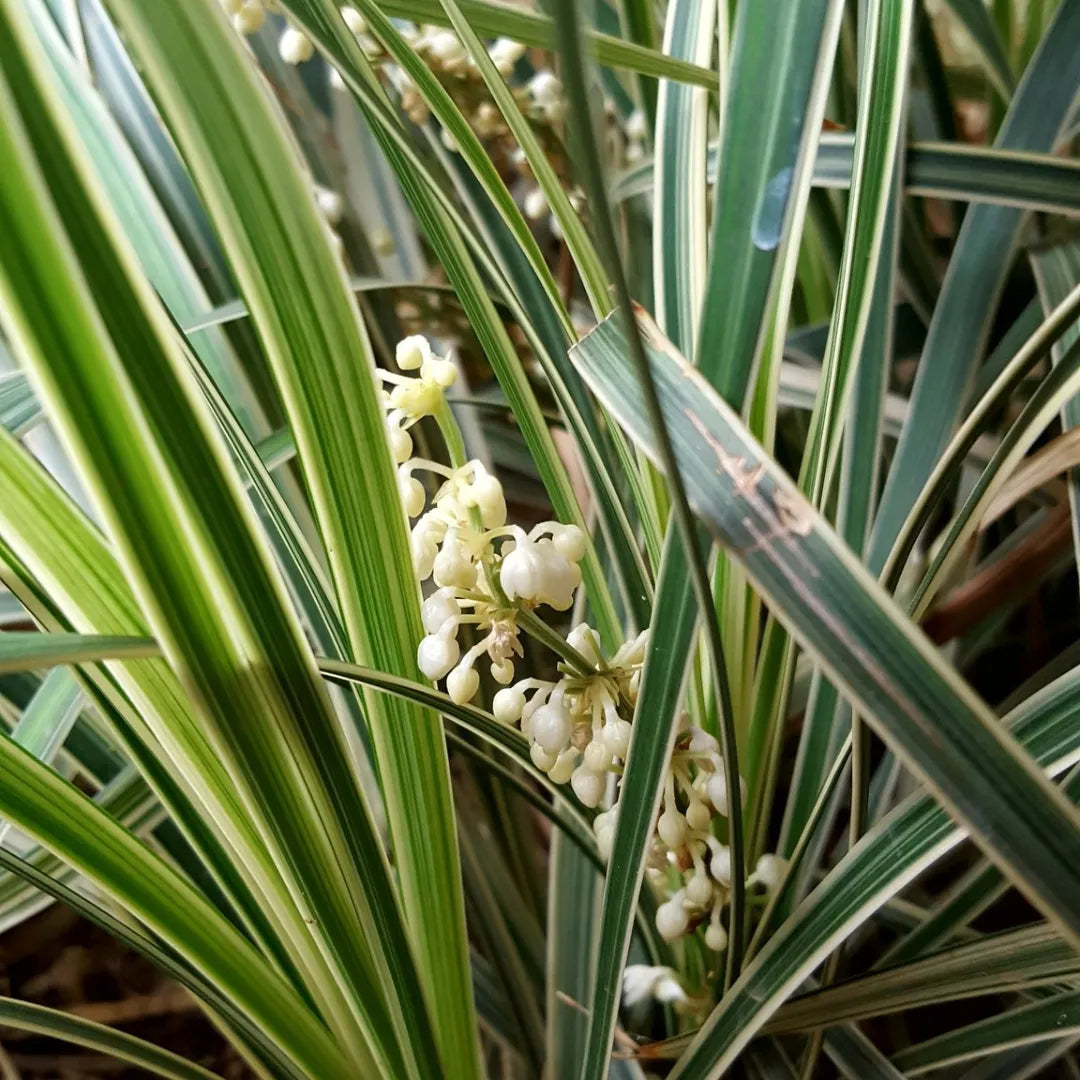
535,627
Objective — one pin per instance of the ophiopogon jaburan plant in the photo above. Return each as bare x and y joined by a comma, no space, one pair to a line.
541,540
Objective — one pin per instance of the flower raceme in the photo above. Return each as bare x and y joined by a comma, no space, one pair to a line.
493,576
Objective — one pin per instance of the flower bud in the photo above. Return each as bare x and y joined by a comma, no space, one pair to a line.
535,205
637,126
701,742
452,566
616,736
401,445
770,871
697,815
520,572
551,727
439,371
412,494
541,758
507,705
295,47
354,20
672,828
437,654
583,638
250,17
486,494
569,541
671,918
720,863
424,552
564,767
699,889
597,756
445,47
716,937
437,608
640,983
506,51
502,671
604,828
588,786
462,684
716,788
412,352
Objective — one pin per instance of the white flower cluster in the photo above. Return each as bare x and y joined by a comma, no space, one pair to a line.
576,727
487,573
413,398
547,96
454,543
445,51
485,570
247,16
695,792
294,46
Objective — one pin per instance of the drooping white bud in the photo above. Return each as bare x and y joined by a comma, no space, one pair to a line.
412,494
583,638
401,444
521,572
716,789
671,826
716,937
437,608
462,684
671,918
604,828
588,786
507,705
505,53
535,205
561,578
564,767
453,565
437,654
597,757
551,727
770,871
720,863
295,47
502,671
354,20
697,815
541,758
250,18
412,352
616,736
569,542
699,890
486,494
